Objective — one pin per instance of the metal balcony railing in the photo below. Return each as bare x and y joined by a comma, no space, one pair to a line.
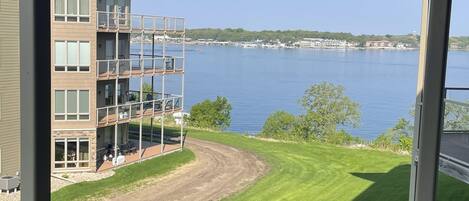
129,111
107,69
112,21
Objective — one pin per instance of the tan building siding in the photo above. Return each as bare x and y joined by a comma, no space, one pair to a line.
75,31
9,88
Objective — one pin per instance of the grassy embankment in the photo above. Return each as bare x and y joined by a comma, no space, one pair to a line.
328,172
125,179
298,172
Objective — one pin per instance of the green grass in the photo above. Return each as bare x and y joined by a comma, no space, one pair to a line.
125,178
327,172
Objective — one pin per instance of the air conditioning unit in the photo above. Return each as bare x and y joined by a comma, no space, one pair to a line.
9,183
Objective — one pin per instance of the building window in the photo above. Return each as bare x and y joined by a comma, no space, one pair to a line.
72,10
72,56
72,153
72,105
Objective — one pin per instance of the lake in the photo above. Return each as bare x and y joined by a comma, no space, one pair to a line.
258,82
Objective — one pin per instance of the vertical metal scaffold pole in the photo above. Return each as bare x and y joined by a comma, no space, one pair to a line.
152,85
142,69
116,96
163,86
182,82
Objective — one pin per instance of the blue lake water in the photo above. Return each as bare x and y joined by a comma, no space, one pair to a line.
258,82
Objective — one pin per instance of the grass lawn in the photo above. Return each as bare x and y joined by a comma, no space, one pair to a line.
327,172
125,178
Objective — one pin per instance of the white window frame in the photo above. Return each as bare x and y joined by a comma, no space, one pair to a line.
77,16
78,106
77,162
67,65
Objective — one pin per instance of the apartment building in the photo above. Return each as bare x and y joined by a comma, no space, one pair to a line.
10,88
113,73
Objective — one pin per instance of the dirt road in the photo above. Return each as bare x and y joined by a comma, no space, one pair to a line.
217,172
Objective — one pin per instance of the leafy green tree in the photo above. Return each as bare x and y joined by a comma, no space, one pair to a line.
279,125
211,114
327,108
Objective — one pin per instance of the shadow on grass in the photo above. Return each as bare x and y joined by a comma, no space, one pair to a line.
393,185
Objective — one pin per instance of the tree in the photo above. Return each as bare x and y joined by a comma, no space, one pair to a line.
279,125
327,108
211,114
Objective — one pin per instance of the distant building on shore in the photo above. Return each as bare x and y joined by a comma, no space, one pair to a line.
380,44
321,43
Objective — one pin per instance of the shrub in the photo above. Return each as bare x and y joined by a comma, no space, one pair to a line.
211,114
341,137
279,125
398,138
405,143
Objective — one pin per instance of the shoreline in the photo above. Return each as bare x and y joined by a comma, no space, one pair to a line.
287,48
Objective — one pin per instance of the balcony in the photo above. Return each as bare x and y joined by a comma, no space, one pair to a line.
454,148
135,110
125,22
110,69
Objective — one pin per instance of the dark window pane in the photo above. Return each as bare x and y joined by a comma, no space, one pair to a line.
59,18
72,68
60,165
60,68
72,19
84,19
84,68
84,117
60,150
71,117
71,150
59,117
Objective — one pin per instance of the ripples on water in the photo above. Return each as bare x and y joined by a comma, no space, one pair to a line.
260,81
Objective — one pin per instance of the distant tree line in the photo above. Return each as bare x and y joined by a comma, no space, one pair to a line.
291,36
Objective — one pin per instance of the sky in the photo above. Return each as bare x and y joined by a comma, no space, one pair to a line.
354,16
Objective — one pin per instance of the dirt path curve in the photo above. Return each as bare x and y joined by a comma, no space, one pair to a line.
217,172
